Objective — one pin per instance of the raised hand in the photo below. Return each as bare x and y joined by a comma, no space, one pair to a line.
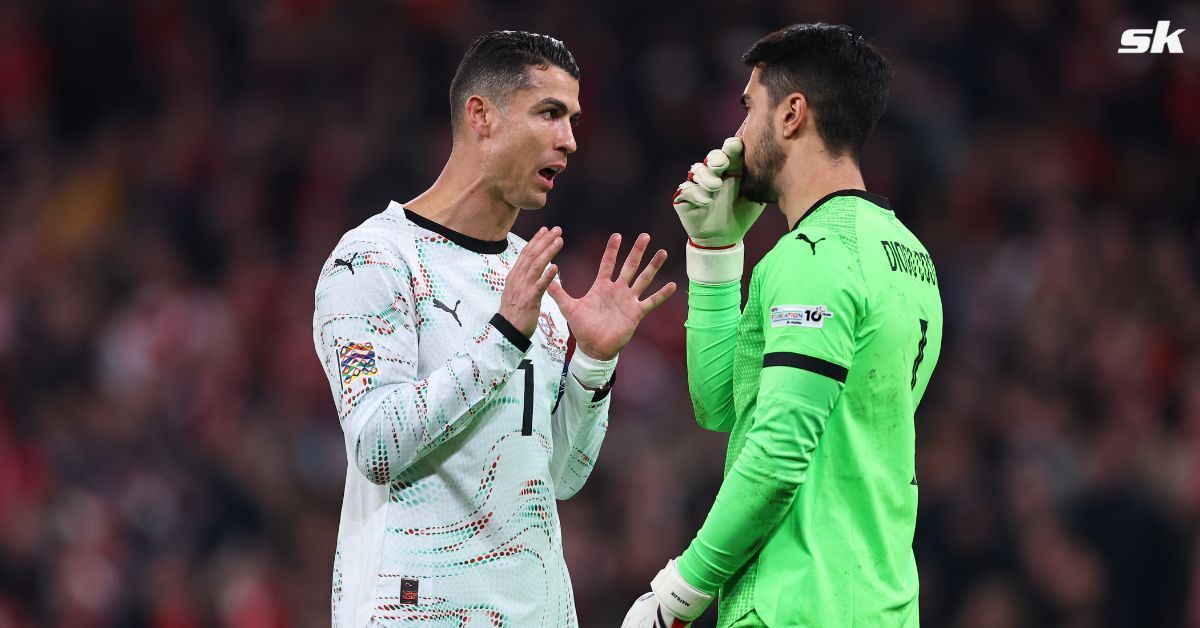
521,300
709,203
604,319
715,216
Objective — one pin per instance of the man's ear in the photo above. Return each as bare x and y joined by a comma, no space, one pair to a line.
795,114
480,115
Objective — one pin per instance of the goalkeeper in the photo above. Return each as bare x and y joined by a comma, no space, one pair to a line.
818,378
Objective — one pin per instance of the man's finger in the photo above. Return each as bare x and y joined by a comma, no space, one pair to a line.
717,161
544,281
546,255
656,299
527,266
529,250
691,193
538,240
705,177
608,261
733,149
560,296
648,273
634,259
543,238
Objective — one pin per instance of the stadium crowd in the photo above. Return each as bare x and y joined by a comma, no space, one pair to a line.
173,173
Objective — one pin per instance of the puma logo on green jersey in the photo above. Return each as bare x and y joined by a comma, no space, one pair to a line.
805,238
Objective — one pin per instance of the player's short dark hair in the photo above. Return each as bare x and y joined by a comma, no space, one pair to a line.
843,77
497,64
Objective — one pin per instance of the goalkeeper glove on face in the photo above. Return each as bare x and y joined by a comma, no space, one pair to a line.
715,217
671,603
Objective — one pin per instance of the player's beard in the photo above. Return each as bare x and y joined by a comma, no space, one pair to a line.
758,183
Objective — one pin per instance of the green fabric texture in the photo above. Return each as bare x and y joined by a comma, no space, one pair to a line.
814,521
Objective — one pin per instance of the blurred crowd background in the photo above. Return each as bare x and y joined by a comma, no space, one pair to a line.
174,172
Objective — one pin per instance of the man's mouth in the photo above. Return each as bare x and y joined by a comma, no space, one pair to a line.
548,173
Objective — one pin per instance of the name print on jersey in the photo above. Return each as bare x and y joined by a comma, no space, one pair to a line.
915,263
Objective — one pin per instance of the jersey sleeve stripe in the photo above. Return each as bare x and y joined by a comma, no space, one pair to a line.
514,335
806,363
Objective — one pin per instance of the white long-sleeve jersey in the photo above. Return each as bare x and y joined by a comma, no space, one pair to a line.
460,431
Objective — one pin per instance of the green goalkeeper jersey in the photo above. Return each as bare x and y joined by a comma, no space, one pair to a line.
818,380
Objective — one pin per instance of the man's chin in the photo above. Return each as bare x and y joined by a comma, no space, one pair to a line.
534,202
757,195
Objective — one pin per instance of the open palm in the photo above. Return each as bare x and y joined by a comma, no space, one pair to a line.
604,319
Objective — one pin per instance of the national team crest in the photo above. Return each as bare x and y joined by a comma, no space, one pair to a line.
555,345
357,360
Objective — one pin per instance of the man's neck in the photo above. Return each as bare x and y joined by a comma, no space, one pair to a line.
460,200
812,181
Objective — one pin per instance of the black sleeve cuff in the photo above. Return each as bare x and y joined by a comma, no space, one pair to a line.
513,334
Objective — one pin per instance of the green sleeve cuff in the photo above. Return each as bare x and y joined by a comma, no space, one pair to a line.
718,296
694,576
714,305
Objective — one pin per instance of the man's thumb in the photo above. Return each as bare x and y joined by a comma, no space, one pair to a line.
733,149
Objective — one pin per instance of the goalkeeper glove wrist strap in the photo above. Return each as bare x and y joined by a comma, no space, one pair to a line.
676,595
715,265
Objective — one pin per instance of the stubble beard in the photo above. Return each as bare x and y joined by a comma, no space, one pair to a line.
758,183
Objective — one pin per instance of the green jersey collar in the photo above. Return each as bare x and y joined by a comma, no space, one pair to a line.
874,199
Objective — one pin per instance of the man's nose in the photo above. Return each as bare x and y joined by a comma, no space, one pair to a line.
566,140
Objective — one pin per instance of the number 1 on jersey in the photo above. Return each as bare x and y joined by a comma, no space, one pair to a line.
920,350
527,407
917,364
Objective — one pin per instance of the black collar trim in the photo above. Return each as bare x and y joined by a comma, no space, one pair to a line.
487,247
876,199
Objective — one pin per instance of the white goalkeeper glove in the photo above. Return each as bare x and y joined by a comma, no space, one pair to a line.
715,217
671,603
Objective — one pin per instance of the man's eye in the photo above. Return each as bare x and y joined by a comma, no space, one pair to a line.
549,115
